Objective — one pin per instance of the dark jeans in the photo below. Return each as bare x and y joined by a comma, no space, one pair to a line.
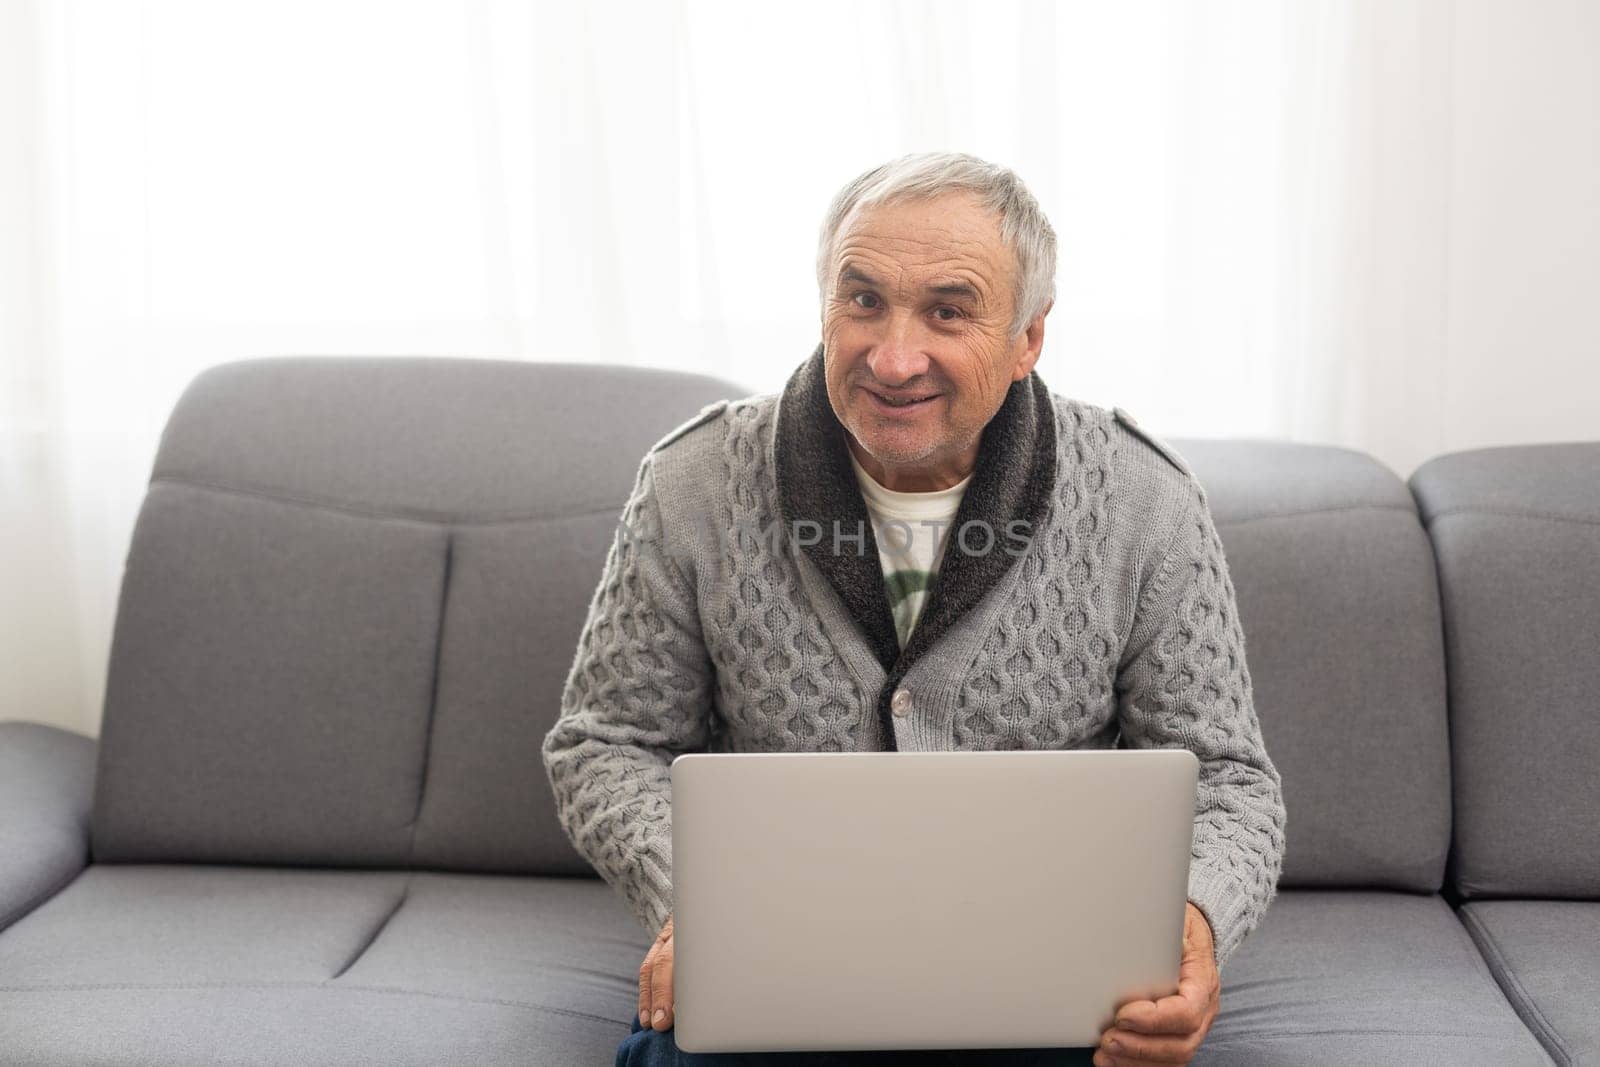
647,1048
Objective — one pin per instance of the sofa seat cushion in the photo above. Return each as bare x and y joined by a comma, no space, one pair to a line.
1336,978
178,964
1546,954
241,1026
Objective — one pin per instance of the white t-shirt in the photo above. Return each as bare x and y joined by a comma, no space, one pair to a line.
912,530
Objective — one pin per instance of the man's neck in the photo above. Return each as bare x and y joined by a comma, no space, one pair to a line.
930,478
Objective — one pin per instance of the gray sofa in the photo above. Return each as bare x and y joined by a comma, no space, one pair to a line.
315,828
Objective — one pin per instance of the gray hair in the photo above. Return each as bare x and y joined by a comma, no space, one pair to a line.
1023,226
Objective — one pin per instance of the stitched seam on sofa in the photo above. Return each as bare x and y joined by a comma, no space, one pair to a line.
1523,1004
430,518
367,944
24,909
90,987
1516,513
477,1000
1402,508
157,987
1481,966
433,697
1284,1035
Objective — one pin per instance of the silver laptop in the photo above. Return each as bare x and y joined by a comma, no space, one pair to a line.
913,900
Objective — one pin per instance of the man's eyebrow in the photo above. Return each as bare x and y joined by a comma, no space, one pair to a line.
950,288
958,289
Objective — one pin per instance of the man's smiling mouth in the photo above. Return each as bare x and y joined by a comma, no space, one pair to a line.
901,401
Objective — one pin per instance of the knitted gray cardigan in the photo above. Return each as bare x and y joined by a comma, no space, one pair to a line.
742,609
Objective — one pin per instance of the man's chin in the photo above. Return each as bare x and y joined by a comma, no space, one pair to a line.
894,445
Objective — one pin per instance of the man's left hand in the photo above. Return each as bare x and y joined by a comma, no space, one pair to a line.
1169,1030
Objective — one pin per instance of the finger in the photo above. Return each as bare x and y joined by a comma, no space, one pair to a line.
1125,1046
647,966
1180,1013
1133,1015
1199,972
1102,1058
661,989
1198,936
1198,977
644,986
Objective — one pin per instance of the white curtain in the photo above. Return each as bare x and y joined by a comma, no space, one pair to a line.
1247,194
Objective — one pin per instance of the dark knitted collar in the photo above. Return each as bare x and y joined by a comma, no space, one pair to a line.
1014,477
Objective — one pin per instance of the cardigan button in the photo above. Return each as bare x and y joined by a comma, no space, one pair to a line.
900,703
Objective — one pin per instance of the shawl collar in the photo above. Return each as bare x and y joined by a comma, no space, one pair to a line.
1013,480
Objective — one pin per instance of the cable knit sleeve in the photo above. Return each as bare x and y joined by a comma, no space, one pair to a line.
1183,682
638,694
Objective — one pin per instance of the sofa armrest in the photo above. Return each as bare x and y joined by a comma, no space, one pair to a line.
46,791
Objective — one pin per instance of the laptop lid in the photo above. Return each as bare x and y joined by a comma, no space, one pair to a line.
828,901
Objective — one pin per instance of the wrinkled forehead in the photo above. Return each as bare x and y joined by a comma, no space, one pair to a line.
910,240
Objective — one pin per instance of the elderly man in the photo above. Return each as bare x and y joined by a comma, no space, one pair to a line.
921,548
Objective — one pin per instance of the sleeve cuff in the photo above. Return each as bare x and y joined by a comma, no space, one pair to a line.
1226,904
655,884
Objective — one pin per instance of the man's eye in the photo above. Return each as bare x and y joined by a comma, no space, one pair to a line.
866,300
946,313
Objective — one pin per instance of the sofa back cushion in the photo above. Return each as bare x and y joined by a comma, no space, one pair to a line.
351,601
1339,602
1517,533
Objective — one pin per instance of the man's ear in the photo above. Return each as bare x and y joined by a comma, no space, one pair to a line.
1032,340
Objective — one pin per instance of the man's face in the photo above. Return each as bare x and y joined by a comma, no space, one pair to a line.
915,326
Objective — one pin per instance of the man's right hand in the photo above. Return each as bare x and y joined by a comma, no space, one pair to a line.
655,982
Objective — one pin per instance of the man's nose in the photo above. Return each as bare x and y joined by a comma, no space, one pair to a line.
898,356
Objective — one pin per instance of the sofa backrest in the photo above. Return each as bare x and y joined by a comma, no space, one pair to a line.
1517,533
352,597
1339,602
